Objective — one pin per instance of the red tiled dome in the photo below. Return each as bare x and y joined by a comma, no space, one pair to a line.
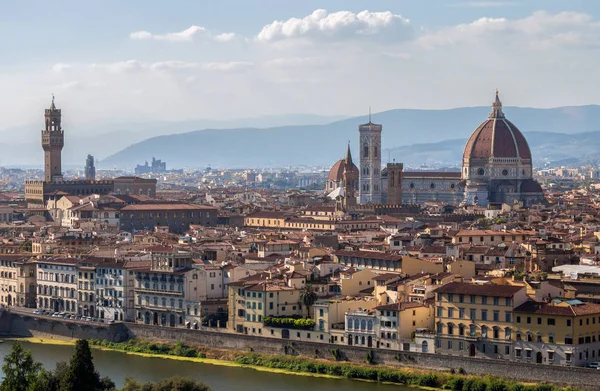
337,170
497,137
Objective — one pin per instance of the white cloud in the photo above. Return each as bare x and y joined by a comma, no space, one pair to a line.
60,66
120,66
339,25
227,66
225,37
540,30
187,35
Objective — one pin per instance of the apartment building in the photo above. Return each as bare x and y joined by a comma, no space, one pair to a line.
476,319
110,290
558,332
10,266
160,288
86,292
57,284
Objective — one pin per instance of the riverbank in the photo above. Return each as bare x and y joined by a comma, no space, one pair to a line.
304,366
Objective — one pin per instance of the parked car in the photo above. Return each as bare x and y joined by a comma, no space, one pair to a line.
594,365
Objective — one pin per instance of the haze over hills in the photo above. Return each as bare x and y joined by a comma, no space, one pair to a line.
410,136
103,139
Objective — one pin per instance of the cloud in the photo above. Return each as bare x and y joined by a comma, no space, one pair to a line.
187,35
60,66
171,66
540,30
338,26
225,37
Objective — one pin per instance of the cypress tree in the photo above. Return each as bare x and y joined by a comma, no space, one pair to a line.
81,374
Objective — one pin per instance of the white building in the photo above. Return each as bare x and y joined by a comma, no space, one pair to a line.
57,284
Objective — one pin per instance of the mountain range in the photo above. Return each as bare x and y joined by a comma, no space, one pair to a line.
414,137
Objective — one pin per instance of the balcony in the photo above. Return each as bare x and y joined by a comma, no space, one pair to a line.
157,291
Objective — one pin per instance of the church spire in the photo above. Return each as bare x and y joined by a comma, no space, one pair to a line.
496,108
348,157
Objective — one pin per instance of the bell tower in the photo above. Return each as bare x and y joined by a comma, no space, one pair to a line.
53,140
370,162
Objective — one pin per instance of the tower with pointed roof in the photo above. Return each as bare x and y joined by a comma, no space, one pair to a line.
370,187
53,140
349,182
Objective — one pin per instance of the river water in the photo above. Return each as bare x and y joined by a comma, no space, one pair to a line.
119,365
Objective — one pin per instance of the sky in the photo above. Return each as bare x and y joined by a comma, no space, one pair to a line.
148,60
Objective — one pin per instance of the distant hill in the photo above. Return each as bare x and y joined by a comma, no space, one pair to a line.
553,134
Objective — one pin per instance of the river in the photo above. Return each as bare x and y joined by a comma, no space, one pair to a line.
119,365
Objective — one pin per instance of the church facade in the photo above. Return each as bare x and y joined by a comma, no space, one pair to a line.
496,167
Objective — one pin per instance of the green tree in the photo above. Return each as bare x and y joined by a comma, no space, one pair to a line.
308,297
20,370
81,374
175,383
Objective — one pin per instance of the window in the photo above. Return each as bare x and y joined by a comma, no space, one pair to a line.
461,313
450,328
506,349
518,319
518,353
551,338
484,300
528,319
450,297
472,314
483,314
496,316
539,320
440,312
568,322
473,299
508,302
450,312
461,298
551,322
528,353
496,301
449,344
508,317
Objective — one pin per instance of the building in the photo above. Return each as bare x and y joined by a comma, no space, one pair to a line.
161,289
86,291
157,167
38,193
370,163
496,167
57,284
476,320
90,169
53,141
17,281
336,174
111,296
497,163
559,332
176,216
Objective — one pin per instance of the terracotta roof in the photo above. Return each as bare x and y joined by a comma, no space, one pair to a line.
399,306
499,138
544,308
337,170
463,288
161,207
368,255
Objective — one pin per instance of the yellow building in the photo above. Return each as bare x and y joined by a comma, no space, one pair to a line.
560,332
476,319
253,299
489,237
399,320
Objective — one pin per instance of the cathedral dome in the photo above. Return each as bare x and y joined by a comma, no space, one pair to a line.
497,137
337,170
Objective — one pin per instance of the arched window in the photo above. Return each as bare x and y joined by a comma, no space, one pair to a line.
375,151
356,324
472,330
366,150
349,323
363,324
370,325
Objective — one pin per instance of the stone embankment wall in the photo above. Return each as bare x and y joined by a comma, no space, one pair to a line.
584,378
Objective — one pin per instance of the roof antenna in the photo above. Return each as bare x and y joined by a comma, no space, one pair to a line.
369,113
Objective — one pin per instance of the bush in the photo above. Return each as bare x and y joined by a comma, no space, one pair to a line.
456,383
289,322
